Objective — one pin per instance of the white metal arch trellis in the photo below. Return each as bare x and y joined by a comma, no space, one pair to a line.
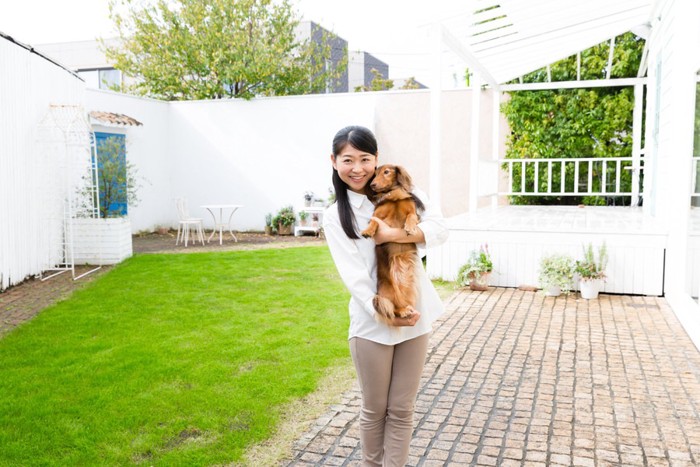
67,185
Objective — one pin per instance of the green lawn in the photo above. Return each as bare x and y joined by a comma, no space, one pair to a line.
171,359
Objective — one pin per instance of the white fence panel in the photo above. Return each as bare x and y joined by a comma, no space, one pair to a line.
28,85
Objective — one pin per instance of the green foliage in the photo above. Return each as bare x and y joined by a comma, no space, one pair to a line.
172,359
213,49
268,219
285,216
410,83
574,123
592,267
479,263
557,270
379,83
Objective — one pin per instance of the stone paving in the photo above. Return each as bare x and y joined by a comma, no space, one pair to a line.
514,378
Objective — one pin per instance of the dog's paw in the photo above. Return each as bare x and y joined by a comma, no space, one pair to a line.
367,234
410,230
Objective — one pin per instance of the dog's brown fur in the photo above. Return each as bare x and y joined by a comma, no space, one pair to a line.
396,262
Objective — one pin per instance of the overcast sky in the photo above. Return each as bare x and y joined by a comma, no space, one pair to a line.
395,31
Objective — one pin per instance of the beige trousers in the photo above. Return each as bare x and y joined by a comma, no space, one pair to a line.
389,377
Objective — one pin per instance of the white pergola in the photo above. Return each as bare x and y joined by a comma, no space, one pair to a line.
500,41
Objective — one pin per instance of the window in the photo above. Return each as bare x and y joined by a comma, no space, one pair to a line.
110,78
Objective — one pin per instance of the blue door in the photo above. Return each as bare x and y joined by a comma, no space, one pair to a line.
111,164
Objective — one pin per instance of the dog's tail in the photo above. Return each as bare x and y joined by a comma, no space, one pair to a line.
384,307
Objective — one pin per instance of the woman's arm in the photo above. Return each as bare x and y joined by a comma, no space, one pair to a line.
431,229
350,265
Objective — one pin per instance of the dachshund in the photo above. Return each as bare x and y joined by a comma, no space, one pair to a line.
396,262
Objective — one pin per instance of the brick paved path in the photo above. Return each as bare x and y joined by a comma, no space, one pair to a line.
22,302
514,378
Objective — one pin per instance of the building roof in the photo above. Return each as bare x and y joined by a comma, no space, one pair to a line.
504,39
111,118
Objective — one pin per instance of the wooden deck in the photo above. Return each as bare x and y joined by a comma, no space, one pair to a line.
518,236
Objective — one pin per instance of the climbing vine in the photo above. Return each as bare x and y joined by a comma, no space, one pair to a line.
574,123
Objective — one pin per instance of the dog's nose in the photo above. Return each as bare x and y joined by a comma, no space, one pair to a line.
373,185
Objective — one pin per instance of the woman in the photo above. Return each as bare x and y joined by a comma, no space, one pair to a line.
388,359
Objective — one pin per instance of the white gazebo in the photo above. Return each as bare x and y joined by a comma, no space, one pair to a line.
654,248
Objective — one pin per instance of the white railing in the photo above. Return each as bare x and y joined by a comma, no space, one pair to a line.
587,176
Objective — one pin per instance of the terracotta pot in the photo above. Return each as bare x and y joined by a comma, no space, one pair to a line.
284,229
480,283
268,230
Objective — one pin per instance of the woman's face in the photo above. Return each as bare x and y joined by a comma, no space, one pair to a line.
354,167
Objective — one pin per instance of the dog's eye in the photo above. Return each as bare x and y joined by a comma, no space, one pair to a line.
387,172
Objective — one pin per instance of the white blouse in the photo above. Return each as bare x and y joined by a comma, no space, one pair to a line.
357,266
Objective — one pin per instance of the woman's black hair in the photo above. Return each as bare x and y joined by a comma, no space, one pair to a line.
363,140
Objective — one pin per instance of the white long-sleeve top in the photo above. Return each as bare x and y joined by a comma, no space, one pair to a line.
357,265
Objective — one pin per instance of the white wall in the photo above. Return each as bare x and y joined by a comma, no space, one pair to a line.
28,85
263,153
673,66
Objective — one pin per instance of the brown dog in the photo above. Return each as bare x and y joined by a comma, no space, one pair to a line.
396,262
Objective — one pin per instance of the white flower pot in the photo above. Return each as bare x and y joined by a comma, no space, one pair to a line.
552,291
589,288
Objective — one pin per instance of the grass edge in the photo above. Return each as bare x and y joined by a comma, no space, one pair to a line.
298,416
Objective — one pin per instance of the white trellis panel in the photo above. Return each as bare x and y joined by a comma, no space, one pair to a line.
66,181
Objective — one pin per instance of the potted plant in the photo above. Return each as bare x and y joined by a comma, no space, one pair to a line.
556,274
591,270
284,220
308,198
476,271
303,216
268,224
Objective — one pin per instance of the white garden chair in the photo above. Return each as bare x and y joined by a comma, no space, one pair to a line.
187,224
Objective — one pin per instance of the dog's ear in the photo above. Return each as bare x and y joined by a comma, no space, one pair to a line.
403,179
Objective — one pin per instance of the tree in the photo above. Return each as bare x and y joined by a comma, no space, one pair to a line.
410,83
565,123
213,49
379,83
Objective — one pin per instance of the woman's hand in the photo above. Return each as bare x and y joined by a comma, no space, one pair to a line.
410,320
385,233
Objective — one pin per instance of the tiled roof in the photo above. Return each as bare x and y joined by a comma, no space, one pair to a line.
114,119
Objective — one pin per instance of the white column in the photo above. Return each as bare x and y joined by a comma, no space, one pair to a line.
496,139
435,174
637,140
474,146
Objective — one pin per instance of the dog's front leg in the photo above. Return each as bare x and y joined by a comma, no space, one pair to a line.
370,230
411,225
